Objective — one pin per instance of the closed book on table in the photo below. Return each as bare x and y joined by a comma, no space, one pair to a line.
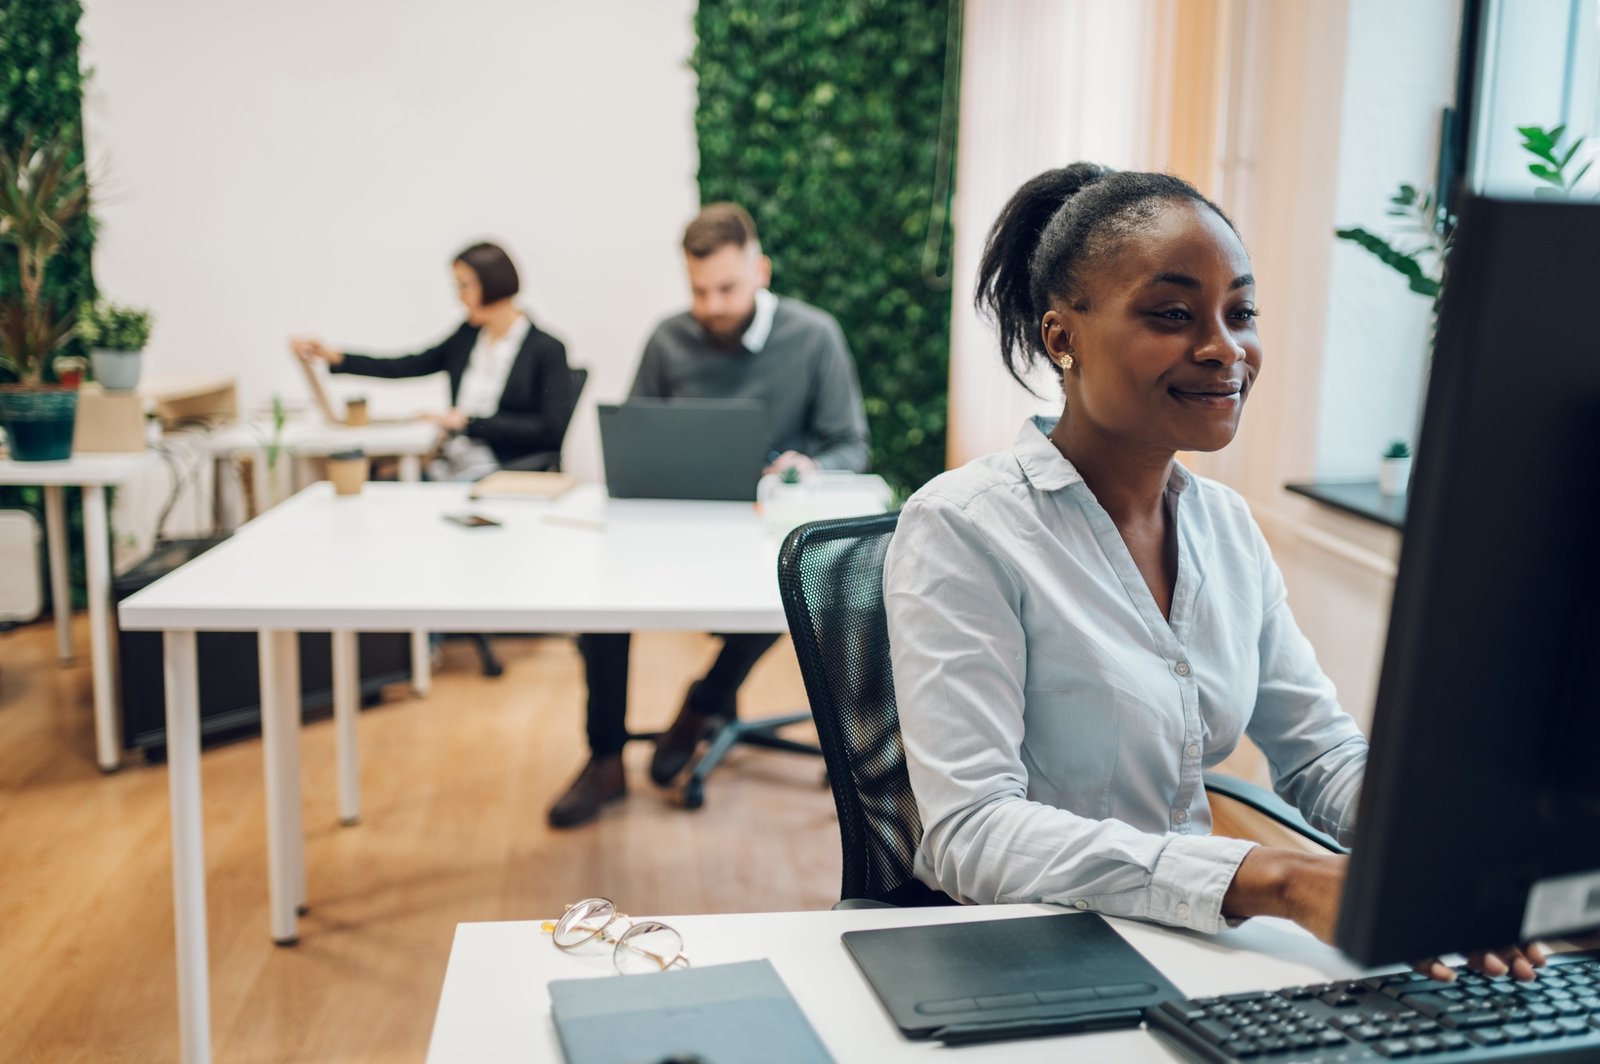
724,1013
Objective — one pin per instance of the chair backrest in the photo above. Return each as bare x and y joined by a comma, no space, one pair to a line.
577,377
830,574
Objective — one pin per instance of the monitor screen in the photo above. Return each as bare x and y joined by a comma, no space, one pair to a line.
1479,823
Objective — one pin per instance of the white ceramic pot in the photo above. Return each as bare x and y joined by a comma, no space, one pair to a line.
1394,476
118,371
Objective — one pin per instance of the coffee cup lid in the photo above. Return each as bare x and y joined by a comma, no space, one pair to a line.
338,456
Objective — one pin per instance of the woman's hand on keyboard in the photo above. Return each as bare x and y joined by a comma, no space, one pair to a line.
1518,961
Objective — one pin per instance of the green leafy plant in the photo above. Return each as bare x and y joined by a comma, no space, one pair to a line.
1421,244
280,418
108,326
834,124
790,475
1552,161
42,191
41,88
1397,449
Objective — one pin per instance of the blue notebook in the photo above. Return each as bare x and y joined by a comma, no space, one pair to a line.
724,1013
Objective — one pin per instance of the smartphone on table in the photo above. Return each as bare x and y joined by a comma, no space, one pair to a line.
472,520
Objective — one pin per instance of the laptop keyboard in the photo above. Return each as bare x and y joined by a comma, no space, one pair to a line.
1556,1018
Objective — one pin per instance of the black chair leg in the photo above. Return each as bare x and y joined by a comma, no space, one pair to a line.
752,733
491,664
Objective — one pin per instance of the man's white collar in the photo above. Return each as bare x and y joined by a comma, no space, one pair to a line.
755,337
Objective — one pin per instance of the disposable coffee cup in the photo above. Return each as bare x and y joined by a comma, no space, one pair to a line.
348,471
355,413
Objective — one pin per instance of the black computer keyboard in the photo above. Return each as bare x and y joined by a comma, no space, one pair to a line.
1556,1017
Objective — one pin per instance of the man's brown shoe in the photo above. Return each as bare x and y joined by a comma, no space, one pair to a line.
602,780
676,747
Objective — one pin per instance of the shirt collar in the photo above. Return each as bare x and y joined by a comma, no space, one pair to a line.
513,337
755,337
1047,469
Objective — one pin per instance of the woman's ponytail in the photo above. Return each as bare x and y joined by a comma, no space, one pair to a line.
1006,286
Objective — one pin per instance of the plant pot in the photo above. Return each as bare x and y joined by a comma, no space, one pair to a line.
39,422
1394,476
118,371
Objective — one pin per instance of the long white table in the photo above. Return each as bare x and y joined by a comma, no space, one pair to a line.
93,473
387,560
495,1005
314,437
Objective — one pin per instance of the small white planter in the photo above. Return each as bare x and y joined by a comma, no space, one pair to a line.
118,371
1394,476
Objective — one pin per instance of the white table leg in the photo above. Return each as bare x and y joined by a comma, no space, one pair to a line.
421,651
421,663
188,847
97,560
55,529
280,741
346,704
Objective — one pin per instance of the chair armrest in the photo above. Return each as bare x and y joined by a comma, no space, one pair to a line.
862,903
539,462
1270,806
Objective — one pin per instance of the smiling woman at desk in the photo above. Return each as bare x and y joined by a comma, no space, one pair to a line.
1079,626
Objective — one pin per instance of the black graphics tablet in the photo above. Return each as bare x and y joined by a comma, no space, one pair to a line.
1002,978
684,448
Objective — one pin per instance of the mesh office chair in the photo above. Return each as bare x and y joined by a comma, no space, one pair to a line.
539,462
830,575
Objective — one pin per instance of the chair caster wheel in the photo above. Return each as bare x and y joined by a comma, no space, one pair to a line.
694,794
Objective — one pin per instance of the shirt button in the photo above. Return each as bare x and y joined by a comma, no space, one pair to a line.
1181,816
1183,910
1182,668
1080,904
1192,750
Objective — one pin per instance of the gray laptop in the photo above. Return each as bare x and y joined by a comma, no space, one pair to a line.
684,448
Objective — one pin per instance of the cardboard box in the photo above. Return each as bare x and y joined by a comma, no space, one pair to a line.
108,421
177,399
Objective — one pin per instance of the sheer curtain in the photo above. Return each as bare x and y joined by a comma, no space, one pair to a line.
1134,84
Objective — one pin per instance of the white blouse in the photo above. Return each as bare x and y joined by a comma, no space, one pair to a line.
487,369
1056,724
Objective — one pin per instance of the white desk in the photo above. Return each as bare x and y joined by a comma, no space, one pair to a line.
314,437
410,441
386,560
93,473
495,1005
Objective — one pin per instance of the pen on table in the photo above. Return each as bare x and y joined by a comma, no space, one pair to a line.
972,1033
576,521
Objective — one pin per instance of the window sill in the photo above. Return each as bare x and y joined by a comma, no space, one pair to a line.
1359,498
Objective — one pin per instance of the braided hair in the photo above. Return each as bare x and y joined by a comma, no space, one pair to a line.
1052,228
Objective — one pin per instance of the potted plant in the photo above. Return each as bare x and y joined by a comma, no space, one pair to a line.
41,191
1394,469
116,336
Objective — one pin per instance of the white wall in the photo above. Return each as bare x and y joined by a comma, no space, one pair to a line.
266,169
1399,76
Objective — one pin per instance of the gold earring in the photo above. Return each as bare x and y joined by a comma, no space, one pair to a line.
1065,362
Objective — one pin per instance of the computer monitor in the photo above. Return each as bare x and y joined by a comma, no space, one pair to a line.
1479,822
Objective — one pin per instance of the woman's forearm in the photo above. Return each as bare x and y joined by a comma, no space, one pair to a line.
1302,887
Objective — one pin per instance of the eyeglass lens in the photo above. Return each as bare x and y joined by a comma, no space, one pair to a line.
584,921
649,946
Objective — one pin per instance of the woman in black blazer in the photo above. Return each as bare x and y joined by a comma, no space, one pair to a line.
509,382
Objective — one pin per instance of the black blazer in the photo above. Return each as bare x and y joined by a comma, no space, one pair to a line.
533,409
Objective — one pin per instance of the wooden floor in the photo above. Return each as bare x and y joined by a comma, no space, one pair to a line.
454,789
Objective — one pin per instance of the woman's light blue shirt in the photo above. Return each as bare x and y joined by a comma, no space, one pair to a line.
1056,724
